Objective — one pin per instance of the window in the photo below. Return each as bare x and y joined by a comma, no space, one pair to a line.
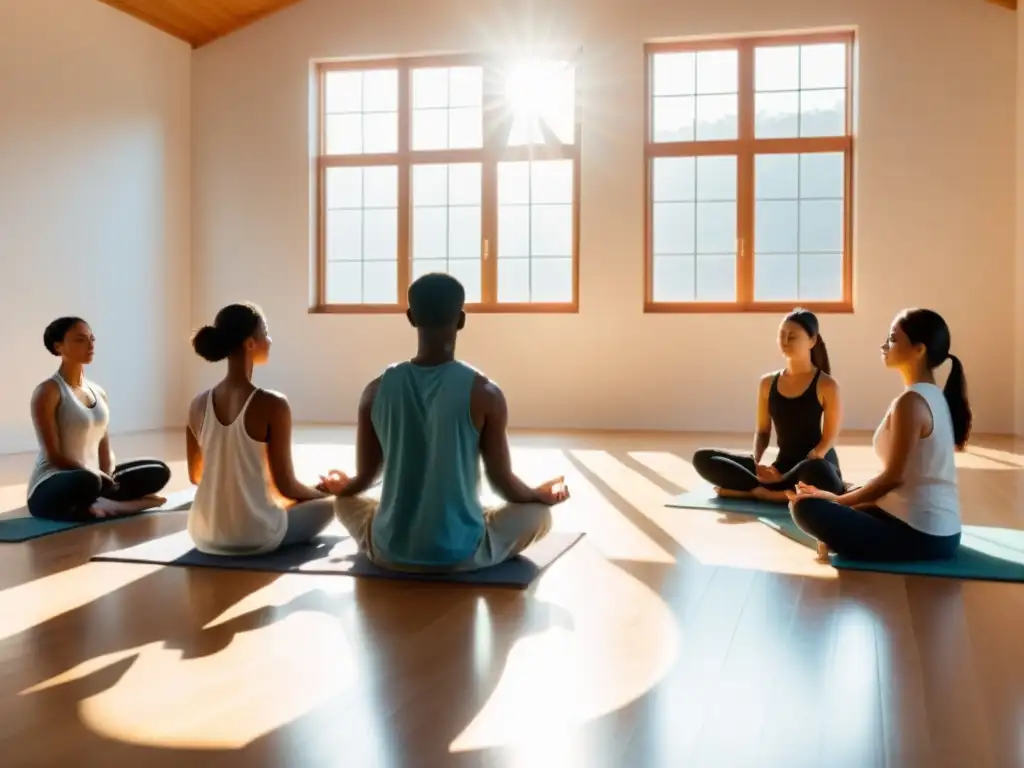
749,160
459,165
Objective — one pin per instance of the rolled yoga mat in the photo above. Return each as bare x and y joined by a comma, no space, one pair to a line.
338,555
18,525
986,554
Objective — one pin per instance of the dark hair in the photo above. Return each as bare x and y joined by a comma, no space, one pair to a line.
925,327
436,301
57,330
233,325
809,322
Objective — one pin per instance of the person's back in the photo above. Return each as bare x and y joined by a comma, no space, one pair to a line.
234,509
430,512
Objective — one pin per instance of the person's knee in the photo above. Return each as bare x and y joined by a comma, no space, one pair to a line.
821,474
702,460
540,519
807,514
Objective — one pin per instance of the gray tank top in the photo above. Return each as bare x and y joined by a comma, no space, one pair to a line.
80,430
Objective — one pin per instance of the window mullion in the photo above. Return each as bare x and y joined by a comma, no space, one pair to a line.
404,184
745,177
493,114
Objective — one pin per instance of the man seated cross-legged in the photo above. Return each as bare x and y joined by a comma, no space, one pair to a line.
427,423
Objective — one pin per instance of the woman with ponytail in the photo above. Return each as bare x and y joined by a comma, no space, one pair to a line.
911,510
239,443
802,403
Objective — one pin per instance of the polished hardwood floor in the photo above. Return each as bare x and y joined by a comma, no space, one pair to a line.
665,638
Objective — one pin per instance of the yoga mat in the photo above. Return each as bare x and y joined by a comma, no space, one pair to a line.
18,525
338,555
705,498
986,554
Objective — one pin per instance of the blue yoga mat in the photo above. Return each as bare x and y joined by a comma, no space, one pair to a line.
18,525
337,555
986,554
705,498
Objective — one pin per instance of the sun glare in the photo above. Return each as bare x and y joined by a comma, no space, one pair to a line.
541,90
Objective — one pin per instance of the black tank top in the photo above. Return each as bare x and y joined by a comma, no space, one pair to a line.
797,422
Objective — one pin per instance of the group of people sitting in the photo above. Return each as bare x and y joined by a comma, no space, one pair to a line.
424,426
911,509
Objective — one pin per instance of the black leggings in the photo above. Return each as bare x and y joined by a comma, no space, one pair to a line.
869,533
736,472
68,495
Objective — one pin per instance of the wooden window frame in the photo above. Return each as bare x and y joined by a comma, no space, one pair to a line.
496,128
746,148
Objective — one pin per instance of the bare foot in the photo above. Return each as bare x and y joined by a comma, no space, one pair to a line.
107,508
727,494
822,552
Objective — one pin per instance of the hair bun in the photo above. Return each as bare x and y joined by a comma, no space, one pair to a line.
208,342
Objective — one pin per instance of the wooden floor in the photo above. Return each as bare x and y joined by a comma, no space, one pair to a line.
666,638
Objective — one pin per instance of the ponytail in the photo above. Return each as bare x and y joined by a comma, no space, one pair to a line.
819,356
959,407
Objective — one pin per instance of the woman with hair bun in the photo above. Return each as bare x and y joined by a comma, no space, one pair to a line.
239,443
75,477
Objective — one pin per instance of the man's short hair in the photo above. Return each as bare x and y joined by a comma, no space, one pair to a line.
436,300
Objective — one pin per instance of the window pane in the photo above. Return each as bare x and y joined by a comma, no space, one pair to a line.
464,236
551,280
717,118
673,118
801,90
674,179
716,178
717,72
344,188
823,65
380,234
776,277
344,235
513,281
716,227
361,111
430,87
344,284
674,228
674,74
799,227
465,128
821,276
430,233
513,230
673,278
421,267
429,129
466,86
430,184
380,282
536,222
716,277
464,183
380,90
545,91
380,186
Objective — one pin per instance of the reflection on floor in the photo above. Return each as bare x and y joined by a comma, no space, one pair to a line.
667,637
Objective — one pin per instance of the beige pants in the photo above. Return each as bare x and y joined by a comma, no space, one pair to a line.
510,529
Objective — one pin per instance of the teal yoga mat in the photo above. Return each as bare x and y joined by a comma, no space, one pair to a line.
18,525
337,555
705,498
986,554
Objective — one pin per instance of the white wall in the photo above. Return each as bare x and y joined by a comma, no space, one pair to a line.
935,214
94,217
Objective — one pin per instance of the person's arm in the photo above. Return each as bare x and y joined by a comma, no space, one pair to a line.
369,454
909,418
832,421
193,451
763,430
107,461
494,448
279,450
45,400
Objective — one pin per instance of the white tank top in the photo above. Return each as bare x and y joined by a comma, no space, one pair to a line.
929,499
80,430
234,512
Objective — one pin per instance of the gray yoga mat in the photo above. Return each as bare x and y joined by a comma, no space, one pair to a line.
705,498
337,555
18,525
